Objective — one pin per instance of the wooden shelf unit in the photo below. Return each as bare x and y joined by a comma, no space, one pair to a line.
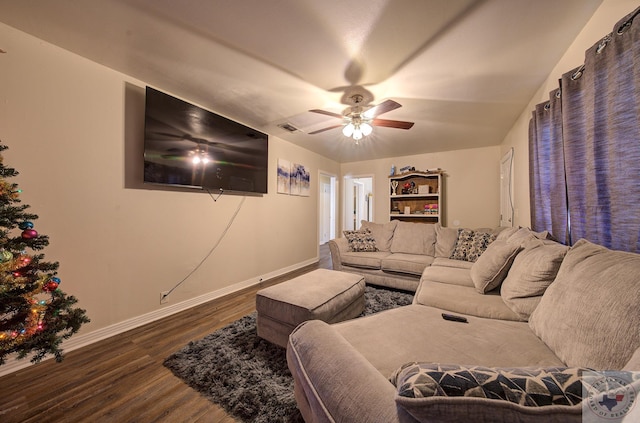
421,192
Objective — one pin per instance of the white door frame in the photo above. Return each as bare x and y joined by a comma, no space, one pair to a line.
506,189
365,200
327,204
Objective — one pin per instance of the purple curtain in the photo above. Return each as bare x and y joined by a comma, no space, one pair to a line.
546,170
600,143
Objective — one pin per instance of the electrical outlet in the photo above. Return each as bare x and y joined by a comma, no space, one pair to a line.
163,297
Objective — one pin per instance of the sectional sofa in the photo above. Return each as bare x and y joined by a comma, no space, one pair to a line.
395,254
542,323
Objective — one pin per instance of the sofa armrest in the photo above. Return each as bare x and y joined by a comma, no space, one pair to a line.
334,382
336,246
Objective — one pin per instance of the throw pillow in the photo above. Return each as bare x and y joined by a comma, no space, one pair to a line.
437,392
507,233
523,236
531,273
528,386
589,315
488,272
471,244
382,233
361,240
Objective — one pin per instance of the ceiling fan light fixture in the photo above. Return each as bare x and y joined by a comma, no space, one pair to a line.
347,131
361,119
357,134
199,156
366,129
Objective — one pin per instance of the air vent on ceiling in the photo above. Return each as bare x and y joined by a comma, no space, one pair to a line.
288,127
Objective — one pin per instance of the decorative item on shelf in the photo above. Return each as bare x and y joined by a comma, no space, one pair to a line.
430,209
407,210
393,170
424,189
395,210
409,188
407,169
394,187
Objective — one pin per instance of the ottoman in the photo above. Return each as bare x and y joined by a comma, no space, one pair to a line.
322,294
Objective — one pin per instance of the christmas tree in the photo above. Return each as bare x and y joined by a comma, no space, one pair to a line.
35,315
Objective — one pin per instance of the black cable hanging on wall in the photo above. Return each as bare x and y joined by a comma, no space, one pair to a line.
226,229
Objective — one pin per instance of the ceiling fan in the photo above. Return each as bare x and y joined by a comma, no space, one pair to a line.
358,119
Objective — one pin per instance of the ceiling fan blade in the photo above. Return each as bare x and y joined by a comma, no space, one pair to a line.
325,129
399,124
168,135
202,141
185,137
324,112
384,107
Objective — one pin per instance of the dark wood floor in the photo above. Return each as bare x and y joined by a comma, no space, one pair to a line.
122,379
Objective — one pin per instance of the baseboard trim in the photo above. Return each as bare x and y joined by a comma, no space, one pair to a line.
82,340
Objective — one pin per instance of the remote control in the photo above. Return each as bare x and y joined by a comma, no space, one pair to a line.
454,318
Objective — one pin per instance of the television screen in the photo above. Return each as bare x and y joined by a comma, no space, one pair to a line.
185,145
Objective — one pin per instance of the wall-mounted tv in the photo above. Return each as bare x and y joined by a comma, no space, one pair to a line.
187,146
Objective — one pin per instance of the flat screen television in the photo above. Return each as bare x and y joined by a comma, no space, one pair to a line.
187,146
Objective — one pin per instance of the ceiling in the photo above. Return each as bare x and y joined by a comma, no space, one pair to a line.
463,70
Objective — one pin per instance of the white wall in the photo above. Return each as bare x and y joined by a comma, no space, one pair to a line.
471,183
74,130
602,23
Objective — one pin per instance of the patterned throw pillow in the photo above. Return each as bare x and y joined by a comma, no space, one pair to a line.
361,240
471,244
529,387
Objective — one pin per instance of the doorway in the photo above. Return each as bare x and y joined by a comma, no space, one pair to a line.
358,201
327,205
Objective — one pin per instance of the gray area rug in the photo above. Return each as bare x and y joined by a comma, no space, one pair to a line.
248,376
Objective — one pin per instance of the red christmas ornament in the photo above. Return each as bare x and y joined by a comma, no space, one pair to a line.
50,286
29,233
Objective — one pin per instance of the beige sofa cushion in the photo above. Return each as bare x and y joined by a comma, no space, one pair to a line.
464,300
531,273
413,264
449,275
634,363
445,240
447,262
365,260
329,374
590,314
382,233
414,238
394,337
488,272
